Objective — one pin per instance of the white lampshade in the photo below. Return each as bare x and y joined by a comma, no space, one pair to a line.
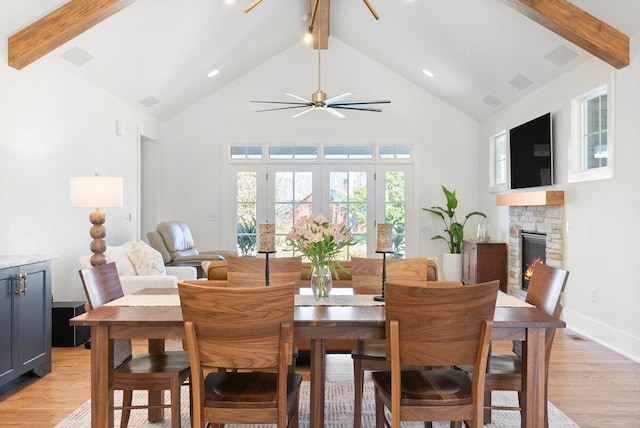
95,192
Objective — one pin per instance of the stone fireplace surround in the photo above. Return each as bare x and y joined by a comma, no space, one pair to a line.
537,212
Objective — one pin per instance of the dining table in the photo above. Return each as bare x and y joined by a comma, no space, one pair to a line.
154,314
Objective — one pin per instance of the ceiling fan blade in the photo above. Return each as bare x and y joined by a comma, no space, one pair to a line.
336,113
337,98
357,108
283,102
300,98
353,103
252,5
373,12
302,112
280,108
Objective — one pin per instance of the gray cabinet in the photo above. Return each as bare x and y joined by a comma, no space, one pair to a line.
25,320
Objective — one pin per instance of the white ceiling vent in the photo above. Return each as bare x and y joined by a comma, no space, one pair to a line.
149,101
520,82
77,56
561,55
491,101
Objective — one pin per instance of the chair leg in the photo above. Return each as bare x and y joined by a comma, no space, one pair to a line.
127,398
176,417
487,406
358,384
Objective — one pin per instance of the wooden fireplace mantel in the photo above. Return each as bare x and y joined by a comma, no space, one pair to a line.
544,197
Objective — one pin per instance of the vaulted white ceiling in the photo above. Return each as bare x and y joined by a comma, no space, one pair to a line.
156,54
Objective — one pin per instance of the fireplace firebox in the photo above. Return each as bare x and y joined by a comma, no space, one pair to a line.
534,247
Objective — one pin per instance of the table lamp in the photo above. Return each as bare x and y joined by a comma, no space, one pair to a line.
96,192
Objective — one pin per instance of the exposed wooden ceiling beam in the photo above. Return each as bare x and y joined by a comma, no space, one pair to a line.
319,23
63,24
578,27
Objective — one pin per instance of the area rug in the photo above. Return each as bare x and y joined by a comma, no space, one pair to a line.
338,411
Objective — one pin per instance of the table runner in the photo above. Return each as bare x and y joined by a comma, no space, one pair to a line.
504,300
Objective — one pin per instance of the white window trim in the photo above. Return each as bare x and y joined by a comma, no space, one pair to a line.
575,172
493,187
266,165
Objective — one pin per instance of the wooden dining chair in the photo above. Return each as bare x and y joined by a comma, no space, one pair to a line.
250,271
437,327
157,371
366,276
240,342
504,371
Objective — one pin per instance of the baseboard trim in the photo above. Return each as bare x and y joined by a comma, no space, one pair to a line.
610,337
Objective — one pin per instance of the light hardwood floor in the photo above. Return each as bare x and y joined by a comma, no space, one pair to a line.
593,385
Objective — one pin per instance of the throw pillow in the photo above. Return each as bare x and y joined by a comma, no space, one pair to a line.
120,256
146,260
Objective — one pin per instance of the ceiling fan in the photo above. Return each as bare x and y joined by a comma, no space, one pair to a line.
320,101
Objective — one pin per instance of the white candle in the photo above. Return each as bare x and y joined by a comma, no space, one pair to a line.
384,242
267,237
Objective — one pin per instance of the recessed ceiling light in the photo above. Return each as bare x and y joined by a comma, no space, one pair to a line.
228,1
427,72
213,73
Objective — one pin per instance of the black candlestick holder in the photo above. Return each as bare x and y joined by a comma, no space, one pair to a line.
384,274
266,266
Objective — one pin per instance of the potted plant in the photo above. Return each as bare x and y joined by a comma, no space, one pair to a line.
455,233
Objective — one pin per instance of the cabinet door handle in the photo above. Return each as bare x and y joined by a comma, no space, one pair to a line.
21,284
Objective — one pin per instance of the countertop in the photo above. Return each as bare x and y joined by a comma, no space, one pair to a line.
8,261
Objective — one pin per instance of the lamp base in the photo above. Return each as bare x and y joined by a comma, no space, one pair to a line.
98,246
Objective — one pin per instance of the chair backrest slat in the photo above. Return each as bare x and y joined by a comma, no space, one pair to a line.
546,286
366,273
250,271
101,284
238,327
440,326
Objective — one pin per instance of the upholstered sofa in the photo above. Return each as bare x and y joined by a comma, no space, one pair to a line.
139,266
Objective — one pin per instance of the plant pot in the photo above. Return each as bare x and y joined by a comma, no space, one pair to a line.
452,267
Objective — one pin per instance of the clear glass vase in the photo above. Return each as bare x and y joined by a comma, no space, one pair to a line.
321,281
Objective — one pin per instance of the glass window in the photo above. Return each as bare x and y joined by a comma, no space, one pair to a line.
591,153
246,152
343,188
293,199
395,152
246,213
395,208
500,158
594,132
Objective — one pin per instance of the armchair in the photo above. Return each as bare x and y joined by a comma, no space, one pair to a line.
176,245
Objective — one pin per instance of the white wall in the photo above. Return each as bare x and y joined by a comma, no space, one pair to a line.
601,249
193,142
54,126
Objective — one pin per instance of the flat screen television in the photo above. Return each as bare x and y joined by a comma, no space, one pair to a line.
531,153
